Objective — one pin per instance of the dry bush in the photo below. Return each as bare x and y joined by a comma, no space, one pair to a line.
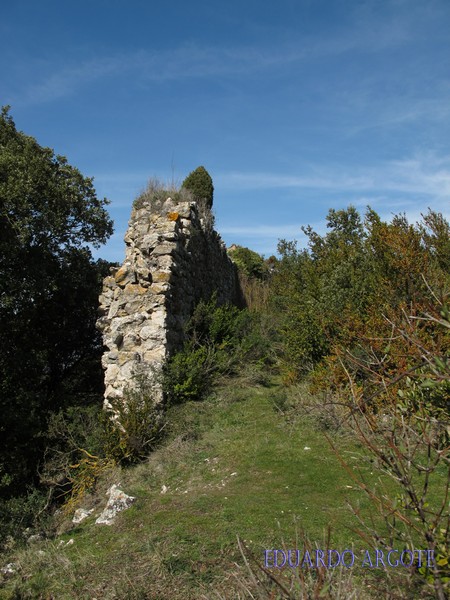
405,426
157,191
256,292
255,581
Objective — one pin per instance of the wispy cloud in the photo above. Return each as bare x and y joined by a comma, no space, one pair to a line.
421,180
259,180
429,105
65,81
425,174
266,231
192,60
263,238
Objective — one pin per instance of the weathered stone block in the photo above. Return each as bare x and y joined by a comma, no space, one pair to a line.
150,241
134,289
124,275
160,288
161,277
165,248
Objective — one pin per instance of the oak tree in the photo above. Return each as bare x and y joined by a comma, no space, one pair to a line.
49,215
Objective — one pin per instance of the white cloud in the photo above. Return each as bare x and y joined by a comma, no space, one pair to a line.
426,175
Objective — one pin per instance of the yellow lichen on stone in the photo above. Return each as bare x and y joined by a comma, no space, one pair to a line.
173,216
121,274
161,276
135,288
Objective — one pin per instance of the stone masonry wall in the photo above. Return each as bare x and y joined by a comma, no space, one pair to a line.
174,258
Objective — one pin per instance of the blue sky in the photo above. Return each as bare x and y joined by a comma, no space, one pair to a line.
293,107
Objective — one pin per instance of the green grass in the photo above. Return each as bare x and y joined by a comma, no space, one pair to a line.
233,465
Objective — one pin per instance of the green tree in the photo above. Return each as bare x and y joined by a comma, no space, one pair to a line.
199,182
249,262
49,284
338,290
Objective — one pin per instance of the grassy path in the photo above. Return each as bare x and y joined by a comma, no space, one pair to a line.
233,465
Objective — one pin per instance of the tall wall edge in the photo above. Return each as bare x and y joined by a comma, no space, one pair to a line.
173,259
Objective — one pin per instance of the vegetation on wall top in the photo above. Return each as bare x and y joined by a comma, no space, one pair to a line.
199,182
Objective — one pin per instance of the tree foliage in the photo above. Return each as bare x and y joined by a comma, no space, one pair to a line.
49,284
220,340
339,289
199,182
364,312
248,262
409,438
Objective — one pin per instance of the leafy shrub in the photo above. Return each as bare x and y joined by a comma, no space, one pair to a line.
249,262
73,428
220,341
408,438
189,374
75,457
200,184
335,292
87,442
20,513
135,423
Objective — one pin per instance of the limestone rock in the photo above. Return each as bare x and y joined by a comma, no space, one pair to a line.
81,514
124,275
117,502
9,570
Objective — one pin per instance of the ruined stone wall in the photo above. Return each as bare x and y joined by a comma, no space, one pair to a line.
174,258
